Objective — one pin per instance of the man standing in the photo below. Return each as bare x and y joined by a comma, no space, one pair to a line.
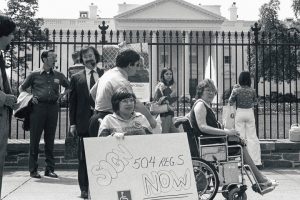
44,85
7,100
82,107
127,62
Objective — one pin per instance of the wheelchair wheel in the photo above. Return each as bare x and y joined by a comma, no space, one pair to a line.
207,180
236,194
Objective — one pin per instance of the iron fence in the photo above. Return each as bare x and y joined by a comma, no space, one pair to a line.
272,58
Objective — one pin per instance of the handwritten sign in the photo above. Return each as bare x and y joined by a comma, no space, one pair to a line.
141,91
143,167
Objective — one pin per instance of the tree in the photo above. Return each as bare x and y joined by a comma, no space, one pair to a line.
29,30
296,7
276,52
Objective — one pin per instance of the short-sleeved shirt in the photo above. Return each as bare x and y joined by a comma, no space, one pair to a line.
113,123
107,85
45,86
244,96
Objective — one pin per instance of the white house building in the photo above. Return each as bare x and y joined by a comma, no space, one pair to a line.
189,62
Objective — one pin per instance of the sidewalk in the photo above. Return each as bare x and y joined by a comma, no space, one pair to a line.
17,185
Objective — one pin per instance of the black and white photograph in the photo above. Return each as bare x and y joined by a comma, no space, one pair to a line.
149,99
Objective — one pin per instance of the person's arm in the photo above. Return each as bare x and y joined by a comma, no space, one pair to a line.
26,84
146,125
72,105
104,128
157,93
255,99
200,114
139,107
66,84
7,100
232,98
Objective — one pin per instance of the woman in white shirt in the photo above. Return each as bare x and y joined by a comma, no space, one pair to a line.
124,120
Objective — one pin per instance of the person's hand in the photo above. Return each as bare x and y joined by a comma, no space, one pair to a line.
35,100
153,122
233,132
171,108
162,87
173,94
10,100
236,86
73,131
119,135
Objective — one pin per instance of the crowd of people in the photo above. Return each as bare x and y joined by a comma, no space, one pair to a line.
104,104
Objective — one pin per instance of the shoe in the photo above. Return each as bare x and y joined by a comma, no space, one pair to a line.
84,194
51,174
265,187
35,175
259,167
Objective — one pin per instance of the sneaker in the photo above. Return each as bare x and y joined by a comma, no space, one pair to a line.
50,174
35,174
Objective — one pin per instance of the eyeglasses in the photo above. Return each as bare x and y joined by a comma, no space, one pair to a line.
209,91
128,100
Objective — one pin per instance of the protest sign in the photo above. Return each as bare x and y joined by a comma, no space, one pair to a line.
143,167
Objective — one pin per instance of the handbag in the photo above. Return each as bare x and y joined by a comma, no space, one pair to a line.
71,146
294,133
229,116
155,108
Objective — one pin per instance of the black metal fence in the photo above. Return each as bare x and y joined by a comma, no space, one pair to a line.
272,58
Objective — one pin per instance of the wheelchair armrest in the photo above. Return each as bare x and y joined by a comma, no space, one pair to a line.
185,122
216,139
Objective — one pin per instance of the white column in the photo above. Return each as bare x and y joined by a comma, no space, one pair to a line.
186,67
153,64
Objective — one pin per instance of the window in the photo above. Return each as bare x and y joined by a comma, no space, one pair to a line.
227,59
194,59
164,59
28,57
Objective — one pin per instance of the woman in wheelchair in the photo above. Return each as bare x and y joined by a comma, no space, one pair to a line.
124,120
204,123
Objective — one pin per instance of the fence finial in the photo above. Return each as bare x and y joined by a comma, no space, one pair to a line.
103,29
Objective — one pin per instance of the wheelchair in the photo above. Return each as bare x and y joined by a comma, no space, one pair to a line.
219,168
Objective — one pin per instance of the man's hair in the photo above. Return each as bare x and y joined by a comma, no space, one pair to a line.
118,96
127,57
76,57
7,26
206,83
85,49
162,76
45,54
245,78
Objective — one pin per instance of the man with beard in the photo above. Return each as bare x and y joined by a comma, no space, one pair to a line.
7,100
82,107
44,83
